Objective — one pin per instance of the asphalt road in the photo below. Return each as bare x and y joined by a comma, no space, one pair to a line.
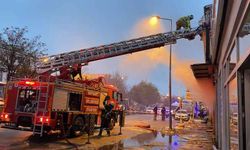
18,139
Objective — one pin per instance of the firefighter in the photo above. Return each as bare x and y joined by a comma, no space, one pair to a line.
163,113
155,112
74,71
106,116
184,22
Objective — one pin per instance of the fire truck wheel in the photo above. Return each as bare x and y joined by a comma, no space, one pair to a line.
112,124
76,129
90,127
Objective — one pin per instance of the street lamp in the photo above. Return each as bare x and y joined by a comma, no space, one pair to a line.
170,72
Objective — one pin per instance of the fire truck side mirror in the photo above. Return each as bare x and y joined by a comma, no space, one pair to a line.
119,97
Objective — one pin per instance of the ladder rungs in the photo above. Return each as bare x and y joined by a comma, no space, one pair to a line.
39,125
43,100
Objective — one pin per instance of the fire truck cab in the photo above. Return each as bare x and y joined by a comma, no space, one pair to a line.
49,107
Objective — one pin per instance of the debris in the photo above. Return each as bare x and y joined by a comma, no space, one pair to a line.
143,126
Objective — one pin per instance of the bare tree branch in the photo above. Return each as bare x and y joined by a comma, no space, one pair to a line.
18,54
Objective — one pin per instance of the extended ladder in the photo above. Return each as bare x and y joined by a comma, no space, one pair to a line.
42,112
115,49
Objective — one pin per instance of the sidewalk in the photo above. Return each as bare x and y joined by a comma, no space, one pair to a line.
195,135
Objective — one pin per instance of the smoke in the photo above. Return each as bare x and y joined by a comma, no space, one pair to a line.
141,64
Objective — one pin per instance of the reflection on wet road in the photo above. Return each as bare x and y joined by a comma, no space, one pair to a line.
193,136
154,141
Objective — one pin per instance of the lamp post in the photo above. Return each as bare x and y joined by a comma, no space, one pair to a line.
170,75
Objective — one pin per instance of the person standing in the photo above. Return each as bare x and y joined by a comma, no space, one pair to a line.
155,112
163,114
106,116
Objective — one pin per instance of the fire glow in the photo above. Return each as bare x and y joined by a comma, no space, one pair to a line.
202,90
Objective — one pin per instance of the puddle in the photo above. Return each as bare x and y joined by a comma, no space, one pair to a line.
154,141
36,142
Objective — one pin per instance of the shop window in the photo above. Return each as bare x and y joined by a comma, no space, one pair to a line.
233,114
244,37
233,59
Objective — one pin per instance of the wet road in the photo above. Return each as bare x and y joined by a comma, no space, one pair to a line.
17,139
9,137
193,136
133,137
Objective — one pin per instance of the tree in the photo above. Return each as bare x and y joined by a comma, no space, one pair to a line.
144,93
119,81
18,54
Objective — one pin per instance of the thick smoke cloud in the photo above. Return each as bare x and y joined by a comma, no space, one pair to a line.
140,65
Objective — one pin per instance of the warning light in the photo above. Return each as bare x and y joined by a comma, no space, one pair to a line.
29,82
41,119
6,116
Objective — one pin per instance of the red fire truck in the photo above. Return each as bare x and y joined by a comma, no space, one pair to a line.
52,105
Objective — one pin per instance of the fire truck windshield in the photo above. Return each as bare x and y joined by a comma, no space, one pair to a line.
27,100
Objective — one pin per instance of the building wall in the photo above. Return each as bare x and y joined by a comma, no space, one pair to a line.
231,62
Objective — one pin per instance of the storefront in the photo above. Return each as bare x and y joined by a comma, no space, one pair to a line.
230,53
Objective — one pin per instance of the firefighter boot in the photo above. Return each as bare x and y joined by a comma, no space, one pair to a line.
108,132
100,132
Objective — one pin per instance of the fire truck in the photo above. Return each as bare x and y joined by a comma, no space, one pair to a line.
50,104
54,100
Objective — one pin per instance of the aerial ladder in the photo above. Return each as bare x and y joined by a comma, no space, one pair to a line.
84,56
61,62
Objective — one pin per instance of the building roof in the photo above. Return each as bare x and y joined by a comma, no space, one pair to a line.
202,70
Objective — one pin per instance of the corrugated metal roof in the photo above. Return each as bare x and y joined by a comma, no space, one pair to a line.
202,70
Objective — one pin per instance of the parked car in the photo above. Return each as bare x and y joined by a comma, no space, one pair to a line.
181,114
234,118
150,110
159,110
173,112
